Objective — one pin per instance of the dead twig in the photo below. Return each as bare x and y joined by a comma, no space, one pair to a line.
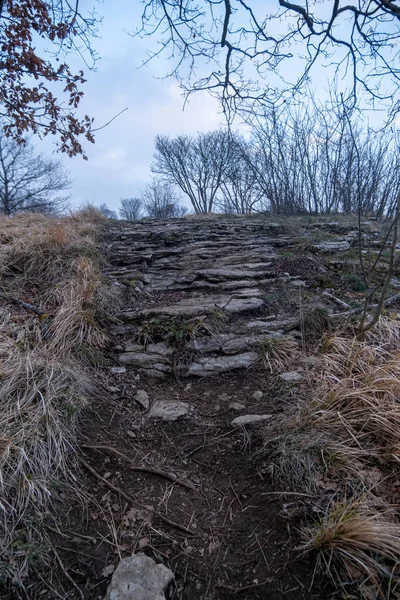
67,575
337,301
117,490
153,471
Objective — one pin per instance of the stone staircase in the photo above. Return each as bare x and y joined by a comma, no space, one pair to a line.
197,289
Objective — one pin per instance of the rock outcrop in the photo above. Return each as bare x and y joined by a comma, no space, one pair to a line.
139,578
198,289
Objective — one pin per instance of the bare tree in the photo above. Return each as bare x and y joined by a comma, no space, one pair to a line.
161,201
106,211
131,209
242,51
322,161
196,165
239,189
29,181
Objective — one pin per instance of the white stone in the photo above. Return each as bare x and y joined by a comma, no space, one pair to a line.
250,420
339,246
142,398
139,578
221,364
118,370
236,406
168,410
292,376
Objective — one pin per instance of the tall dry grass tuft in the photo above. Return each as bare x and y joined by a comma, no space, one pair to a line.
40,398
359,539
278,352
90,213
36,250
344,442
76,321
52,264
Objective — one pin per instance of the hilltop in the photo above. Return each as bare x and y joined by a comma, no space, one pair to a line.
193,389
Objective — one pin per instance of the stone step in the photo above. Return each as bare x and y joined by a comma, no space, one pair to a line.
193,307
213,354
211,271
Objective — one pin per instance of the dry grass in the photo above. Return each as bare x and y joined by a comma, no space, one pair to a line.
315,322
76,321
36,251
359,539
277,353
90,213
344,442
54,265
40,398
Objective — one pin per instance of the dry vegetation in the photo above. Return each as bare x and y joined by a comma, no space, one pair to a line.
340,445
343,445
52,306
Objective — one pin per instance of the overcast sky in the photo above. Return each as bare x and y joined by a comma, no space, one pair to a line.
119,161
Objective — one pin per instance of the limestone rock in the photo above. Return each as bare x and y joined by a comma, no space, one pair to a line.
192,307
250,420
117,370
280,325
210,366
224,274
161,348
142,398
141,359
292,376
258,395
298,283
139,578
236,406
168,410
338,246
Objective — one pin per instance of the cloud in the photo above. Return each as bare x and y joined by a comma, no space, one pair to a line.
119,162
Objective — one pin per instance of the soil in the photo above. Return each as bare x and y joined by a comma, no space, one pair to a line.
221,526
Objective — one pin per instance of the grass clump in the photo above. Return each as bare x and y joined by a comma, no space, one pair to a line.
355,537
174,331
40,399
53,306
315,322
278,352
343,443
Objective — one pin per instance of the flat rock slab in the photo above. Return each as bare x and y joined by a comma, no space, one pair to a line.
145,360
279,325
117,370
340,246
291,377
221,364
192,307
216,275
168,410
139,578
250,420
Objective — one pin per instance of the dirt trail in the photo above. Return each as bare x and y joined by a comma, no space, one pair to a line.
202,297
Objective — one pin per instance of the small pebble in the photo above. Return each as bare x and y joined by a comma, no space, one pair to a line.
117,370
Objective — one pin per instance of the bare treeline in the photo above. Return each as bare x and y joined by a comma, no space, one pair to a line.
305,161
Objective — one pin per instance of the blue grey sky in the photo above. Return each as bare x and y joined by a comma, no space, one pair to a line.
119,161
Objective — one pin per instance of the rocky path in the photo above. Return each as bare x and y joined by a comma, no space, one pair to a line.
176,452
201,285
